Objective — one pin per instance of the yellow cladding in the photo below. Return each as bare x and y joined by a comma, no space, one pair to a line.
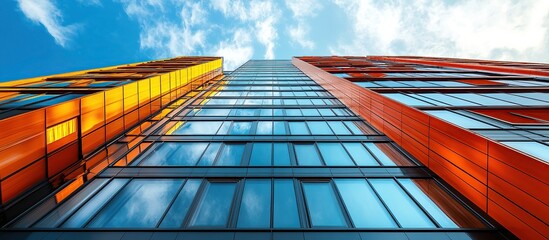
61,130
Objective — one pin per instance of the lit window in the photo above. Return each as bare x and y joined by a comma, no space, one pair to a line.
61,130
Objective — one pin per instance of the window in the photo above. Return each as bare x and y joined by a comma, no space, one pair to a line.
407,213
231,155
217,198
121,212
61,130
255,208
177,212
261,154
365,209
209,155
307,155
361,156
322,205
285,205
198,128
176,154
281,154
334,154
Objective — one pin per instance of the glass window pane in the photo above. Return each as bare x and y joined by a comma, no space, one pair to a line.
255,209
457,119
307,155
241,128
209,156
326,112
334,154
354,129
364,206
264,128
93,205
158,154
59,214
339,128
231,155
213,112
187,154
310,112
200,128
279,128
319,128
175,216
427,204
380,155
140,204
285,205
407,213
361,156
298,128
324,209
535,149
281,154
293,112
261,154
215,205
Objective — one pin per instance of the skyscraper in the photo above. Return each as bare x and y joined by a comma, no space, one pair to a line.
313,148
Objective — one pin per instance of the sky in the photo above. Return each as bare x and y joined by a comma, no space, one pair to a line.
41,37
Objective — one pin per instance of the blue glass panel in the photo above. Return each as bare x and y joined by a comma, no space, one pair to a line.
352,126
324,209
319,128
339,128
307,155
261,154
298,128
281,154
407,213
87,211
326,112
209,156
158,154
482,100
241,128
535,149
359,153
175,216
310,112
205,127
213,112
279,128
127,209
231,155
334,154
186,154
407,99
457,119
266,112
428,204
59,214
365,208
380,155
293,112
215,205
264,128
255,208
285,205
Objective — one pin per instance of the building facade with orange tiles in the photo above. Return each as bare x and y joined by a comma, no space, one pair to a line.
333,147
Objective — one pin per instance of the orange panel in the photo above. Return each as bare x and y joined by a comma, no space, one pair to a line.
23,180
62,159
114,128
62,112
92,120
92,102
93,140
131,119
21,127
21,154
519,228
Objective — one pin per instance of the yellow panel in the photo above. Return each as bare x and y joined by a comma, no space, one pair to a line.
144,91
63,111
92,102
155,87
130,97
61,130
92,120
114,95
165,83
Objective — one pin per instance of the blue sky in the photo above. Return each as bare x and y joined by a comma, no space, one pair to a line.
53,36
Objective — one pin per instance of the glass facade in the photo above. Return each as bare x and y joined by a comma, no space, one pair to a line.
264,153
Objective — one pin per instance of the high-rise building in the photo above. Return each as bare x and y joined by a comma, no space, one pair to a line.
312,148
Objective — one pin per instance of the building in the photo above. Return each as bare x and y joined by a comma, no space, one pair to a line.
312,148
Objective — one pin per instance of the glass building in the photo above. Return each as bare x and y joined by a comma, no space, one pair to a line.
308,149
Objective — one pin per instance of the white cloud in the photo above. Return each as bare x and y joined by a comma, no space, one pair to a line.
236,51
301,10
298,34
257,16
491,29
166,37
46,13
